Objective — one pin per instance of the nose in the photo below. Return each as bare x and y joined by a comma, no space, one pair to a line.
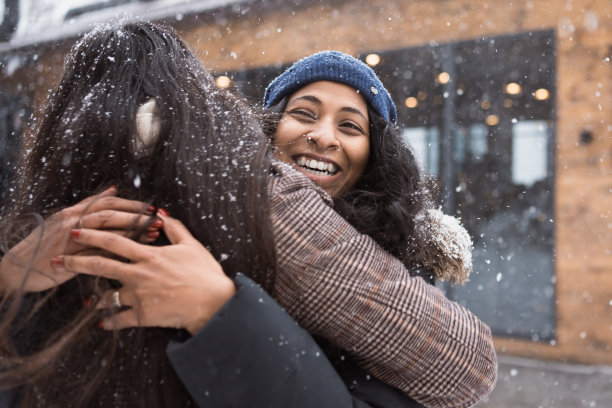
323,136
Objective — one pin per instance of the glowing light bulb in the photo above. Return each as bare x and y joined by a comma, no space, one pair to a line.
372,59
492,120
541,94
223,81
443,78
411,102
513,88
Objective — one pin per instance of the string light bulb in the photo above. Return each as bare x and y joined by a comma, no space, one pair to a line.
372,59
223,82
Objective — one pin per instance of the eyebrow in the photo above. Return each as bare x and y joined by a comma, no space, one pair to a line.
317,101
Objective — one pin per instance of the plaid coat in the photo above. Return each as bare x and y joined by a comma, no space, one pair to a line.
340,285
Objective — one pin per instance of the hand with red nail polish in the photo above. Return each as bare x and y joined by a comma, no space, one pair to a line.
180,285
57,236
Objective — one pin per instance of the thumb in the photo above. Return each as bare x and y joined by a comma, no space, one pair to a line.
174,229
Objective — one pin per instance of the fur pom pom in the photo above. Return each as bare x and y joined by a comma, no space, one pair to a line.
448,252
148,127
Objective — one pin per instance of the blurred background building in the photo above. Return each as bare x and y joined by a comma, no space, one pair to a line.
507,104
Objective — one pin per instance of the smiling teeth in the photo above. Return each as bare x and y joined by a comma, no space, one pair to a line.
317,167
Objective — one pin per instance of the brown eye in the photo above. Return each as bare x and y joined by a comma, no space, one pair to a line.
303,114
353,127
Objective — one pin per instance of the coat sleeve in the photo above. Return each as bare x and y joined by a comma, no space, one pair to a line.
340,285
10,398
253,354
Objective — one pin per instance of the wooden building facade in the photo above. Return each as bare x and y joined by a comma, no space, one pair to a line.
507,104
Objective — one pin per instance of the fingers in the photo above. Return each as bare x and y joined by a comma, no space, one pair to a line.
123,298
118,204
148,236
118,298
84,204
174,229
109,192
110,242
113,219
91,265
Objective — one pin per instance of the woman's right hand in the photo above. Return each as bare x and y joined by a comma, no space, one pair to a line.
34,253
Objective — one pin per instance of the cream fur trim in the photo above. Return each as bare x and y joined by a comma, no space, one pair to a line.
148,127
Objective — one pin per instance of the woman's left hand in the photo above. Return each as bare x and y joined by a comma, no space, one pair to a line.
179,285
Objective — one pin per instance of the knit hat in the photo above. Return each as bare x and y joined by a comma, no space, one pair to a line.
338,67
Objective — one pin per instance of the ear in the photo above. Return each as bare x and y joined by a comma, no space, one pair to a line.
148,127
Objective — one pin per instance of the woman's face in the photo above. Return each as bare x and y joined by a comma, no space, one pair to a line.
324,133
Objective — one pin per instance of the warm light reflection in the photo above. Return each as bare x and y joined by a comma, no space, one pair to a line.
438,99
223,81
485,105
508,103
373,60
422,96
541,94
492,120
443,78
513,88
411,102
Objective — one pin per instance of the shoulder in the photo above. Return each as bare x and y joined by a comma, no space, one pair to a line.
286,180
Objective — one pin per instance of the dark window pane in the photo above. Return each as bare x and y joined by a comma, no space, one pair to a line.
12,116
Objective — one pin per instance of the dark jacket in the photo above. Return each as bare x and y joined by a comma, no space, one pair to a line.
253,354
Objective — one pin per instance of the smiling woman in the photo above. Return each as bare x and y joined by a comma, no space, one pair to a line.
331,118
325,135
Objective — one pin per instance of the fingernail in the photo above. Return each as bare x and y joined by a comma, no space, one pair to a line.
57,262
86,302
75,233
150,210
101,324
155,224
162,212
153,234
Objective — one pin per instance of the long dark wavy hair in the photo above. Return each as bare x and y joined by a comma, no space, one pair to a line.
208,168
385,201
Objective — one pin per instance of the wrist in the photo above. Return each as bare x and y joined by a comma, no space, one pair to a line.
224,291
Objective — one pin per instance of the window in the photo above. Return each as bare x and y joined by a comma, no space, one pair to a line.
480,116
425,143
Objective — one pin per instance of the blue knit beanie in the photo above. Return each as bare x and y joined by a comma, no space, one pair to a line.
338,67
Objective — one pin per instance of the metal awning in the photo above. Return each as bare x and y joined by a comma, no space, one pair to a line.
37,22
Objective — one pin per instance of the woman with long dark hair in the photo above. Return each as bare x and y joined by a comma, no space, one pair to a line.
209,169
202,157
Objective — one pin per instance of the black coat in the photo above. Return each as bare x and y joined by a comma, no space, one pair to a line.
253,354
